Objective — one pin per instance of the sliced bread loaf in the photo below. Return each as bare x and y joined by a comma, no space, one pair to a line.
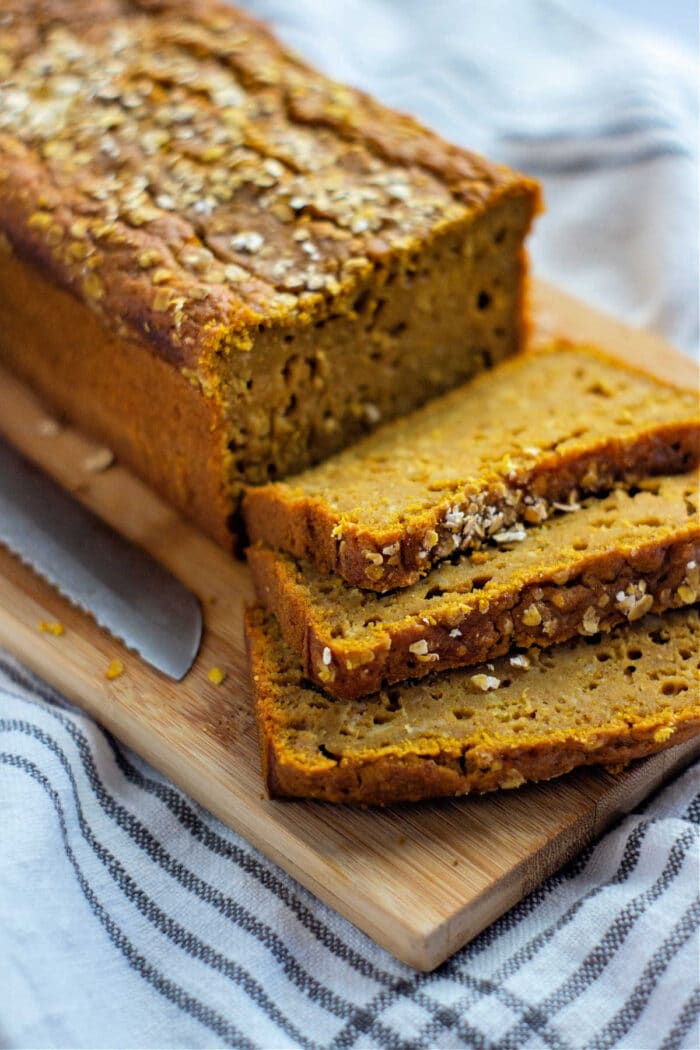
537,431
629,694
615,559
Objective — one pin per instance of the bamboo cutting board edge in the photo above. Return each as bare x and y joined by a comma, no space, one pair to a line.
642,780
427,880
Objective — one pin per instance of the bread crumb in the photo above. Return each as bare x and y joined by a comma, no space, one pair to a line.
99,460
520,661
216,675
326,656
48,427
55,628
615,770
115,670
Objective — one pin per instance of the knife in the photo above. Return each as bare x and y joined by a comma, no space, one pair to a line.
126,590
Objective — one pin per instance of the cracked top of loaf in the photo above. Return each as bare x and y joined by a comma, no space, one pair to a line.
176,168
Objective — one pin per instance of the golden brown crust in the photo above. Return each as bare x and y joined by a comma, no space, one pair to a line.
90,189
338,751
416,778
333,515
578,574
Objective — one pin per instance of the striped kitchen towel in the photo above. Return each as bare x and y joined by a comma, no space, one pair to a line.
130,917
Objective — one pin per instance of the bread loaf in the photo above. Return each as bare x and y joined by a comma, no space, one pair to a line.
223,264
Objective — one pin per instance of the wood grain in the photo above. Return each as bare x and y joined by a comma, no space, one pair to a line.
421,880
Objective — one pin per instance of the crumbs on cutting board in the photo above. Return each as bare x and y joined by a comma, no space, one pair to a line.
114,670
48,427
52,627
99,460
216,675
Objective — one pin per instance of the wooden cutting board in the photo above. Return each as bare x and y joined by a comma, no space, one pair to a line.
421,880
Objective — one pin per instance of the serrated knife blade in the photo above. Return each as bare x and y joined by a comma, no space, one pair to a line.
122,586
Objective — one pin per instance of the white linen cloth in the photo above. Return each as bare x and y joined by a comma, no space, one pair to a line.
129,917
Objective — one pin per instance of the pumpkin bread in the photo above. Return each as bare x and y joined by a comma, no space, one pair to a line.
615,559
509,448
606,700
222,263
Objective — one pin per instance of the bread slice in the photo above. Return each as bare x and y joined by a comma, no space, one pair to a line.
607,701
539,430
617,558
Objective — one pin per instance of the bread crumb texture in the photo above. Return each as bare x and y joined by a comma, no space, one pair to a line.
616,559
114,670
480,465
52,627
601,700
